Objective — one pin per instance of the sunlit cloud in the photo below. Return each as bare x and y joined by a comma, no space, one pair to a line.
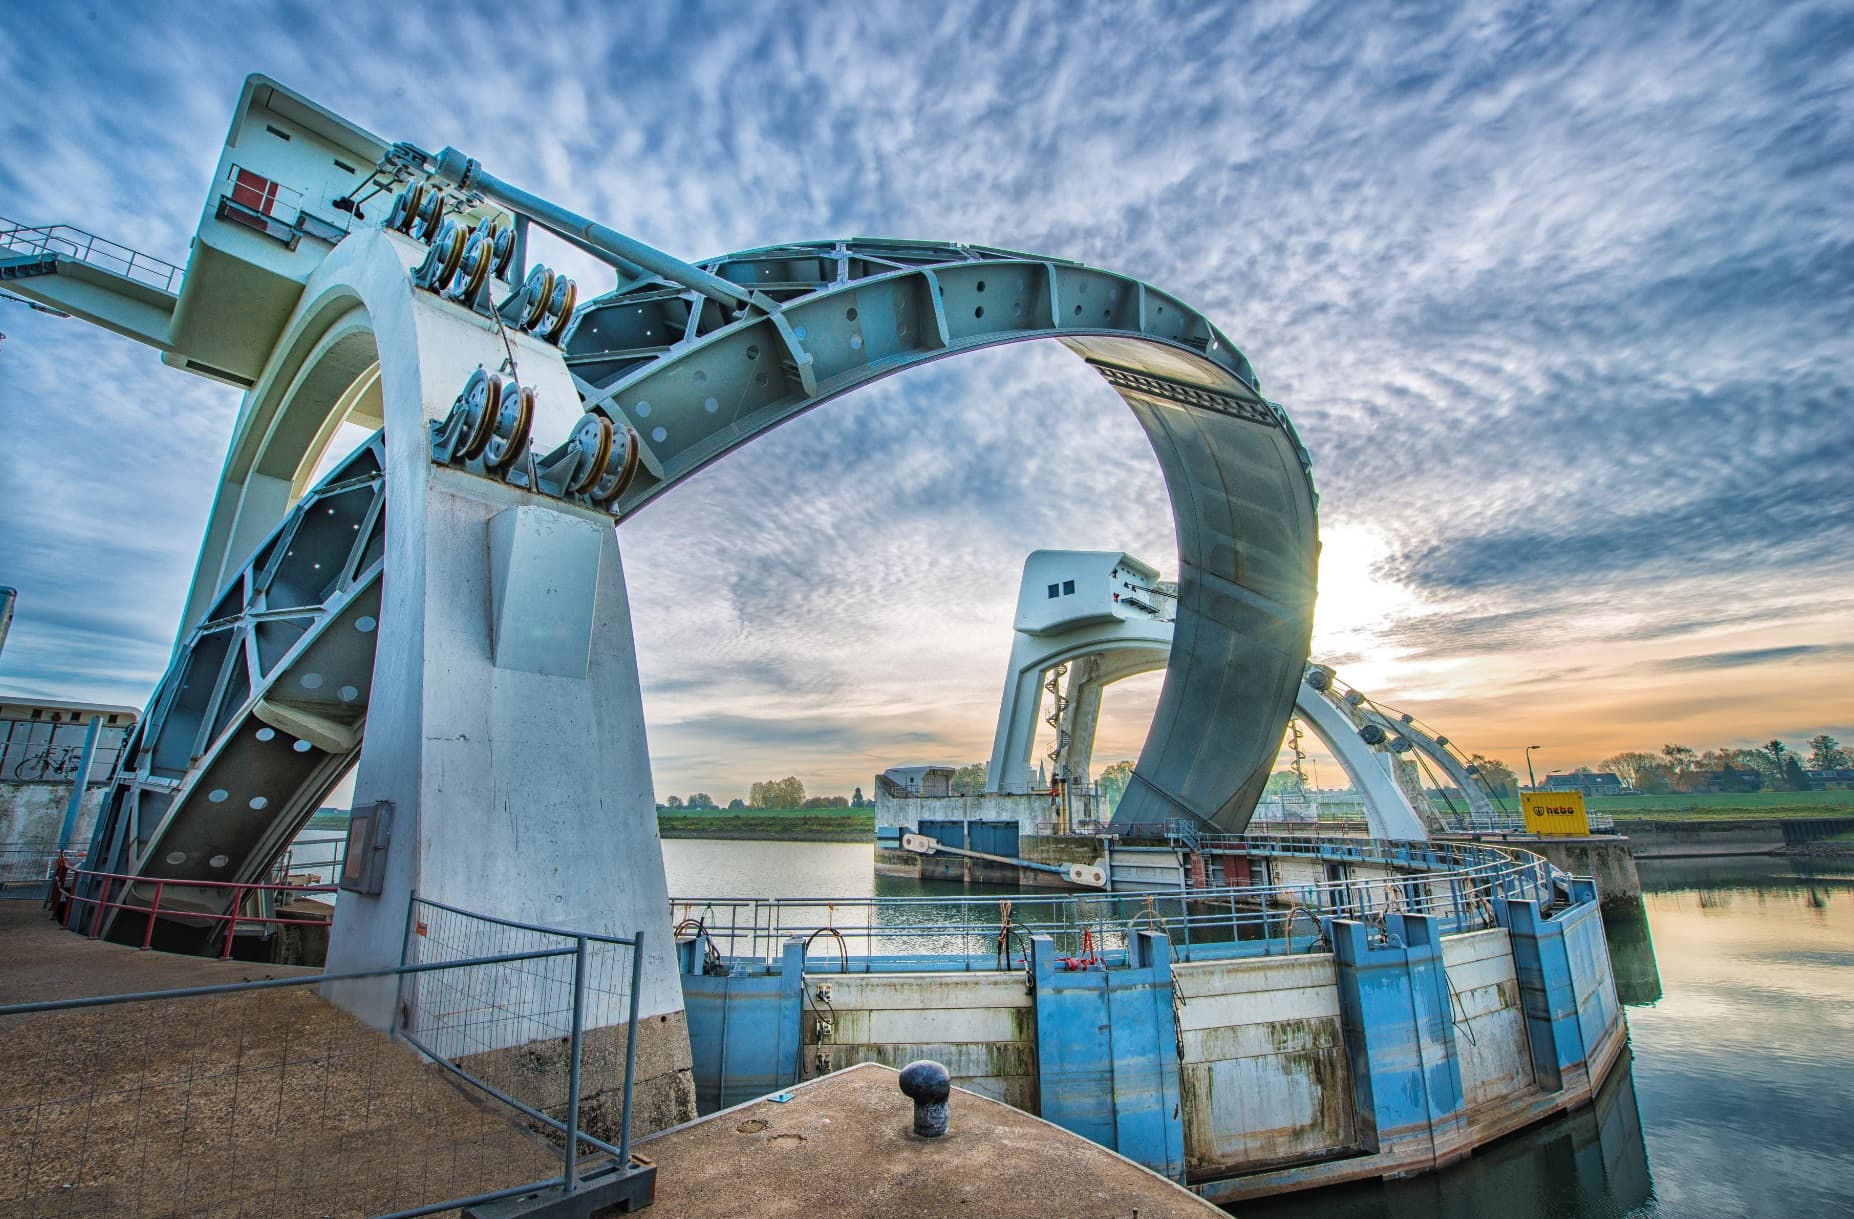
1558,299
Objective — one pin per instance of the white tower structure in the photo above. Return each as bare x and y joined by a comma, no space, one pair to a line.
1096,617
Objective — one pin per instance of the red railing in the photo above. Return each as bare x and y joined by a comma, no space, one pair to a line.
66,884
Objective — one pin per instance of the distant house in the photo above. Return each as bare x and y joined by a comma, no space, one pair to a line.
1599,783
1832,778
1731,779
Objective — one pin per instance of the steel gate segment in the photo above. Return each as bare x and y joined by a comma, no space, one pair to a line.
696,382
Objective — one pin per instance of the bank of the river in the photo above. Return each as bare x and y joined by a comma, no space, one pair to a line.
1746,806
752,825
779,825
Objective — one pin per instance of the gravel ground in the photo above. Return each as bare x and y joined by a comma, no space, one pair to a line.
264,1103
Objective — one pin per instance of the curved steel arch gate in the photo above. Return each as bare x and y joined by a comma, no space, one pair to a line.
696,380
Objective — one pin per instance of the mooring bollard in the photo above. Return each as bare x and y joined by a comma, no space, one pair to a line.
927,1083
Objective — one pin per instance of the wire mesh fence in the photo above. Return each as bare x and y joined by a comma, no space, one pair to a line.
552,1034
263,1098
28,864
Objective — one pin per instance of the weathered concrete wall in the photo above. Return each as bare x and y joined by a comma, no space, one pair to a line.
1265,1075
34,812
982,1026
1490,1025
1610,860
1028,811
1692,839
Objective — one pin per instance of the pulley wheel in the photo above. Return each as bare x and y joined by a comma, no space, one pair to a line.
505,250
566,295
592,438
620,465
426,220
536,295
473,267
480,401
512,423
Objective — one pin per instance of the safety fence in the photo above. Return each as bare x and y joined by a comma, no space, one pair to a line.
185,915
553,1038
1453,881
260,1097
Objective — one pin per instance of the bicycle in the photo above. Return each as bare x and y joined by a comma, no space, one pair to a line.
50,763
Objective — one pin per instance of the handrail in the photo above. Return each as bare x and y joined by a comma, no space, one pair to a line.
69,899
1450,881
62,240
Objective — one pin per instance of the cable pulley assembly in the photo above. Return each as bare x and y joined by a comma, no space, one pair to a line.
462,261
487,432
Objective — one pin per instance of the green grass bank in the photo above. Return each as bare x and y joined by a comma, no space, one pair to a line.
782,824
1748,806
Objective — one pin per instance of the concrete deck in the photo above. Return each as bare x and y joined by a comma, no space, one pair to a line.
844,1146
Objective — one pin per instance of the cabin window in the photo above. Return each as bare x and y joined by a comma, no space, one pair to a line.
1055,590
1068,588
250,190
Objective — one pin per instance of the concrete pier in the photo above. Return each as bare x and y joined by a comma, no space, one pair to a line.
1374,1042
843,1146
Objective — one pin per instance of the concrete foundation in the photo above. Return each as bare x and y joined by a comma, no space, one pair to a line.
1606,858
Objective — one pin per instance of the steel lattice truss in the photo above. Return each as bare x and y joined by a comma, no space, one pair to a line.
260,712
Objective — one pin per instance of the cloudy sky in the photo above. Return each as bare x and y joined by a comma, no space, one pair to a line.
1560,300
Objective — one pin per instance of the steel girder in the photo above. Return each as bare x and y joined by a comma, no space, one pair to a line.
259,714
695,379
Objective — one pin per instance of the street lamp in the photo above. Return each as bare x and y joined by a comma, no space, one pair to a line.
1529,775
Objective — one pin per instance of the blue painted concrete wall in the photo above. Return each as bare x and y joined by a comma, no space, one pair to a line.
1107,1052
1399,1029
1565,983
743,1027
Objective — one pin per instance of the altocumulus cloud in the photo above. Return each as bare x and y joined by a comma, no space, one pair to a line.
1558,299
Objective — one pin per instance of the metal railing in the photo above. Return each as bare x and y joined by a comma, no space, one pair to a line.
1453,881
63,241
253,190
258,1097
312,861
82,899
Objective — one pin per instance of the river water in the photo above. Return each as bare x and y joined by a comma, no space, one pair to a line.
1739,1099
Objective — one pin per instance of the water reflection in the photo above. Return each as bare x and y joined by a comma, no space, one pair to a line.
1588,1164
1631,953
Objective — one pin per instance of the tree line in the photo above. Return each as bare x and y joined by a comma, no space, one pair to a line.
788,792
1774,766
